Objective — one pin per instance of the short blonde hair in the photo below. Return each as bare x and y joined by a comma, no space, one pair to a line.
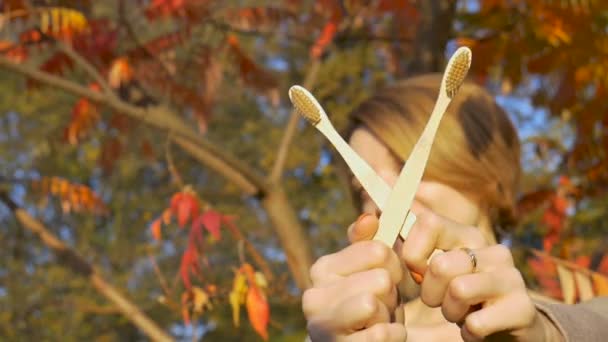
476,149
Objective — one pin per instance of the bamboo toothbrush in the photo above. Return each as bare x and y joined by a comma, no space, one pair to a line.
402,195
378,190
306,104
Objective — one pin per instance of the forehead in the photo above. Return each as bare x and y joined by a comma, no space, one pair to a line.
372,150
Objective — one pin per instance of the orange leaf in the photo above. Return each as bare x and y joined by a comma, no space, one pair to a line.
600,283
185,309
167,216
258,311
155,227
120,72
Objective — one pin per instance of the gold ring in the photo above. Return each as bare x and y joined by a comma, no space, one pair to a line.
472,256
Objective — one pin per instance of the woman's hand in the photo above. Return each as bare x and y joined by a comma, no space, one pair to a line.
479,289
354,294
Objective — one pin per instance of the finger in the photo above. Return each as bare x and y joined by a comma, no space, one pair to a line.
444,267
376,282
432,231
358,257
509,313
472,289
363,229
389,332
353,313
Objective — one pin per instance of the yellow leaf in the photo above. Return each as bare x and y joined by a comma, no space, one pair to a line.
201,300
566,281
260,280
235,303
240,286
237,296
583,284
601,284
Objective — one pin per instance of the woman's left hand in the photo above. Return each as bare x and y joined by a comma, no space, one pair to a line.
480,289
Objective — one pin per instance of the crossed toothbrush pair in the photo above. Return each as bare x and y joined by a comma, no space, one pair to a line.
396,218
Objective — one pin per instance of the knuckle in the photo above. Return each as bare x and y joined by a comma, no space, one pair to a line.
429,220
475,326
368,305
382,280
503,254
309,300
319,269
439,266
458,290
379,333
378,252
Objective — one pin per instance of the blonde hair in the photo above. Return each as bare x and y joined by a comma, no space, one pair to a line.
476,149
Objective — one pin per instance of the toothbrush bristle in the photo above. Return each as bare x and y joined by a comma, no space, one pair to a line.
305,104
457,70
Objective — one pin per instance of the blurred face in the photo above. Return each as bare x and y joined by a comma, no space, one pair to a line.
442,199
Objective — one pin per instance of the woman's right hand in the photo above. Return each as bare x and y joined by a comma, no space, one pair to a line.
354,294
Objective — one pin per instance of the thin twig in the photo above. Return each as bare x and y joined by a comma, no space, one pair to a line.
161,278
290,129
241,250
172,169
85,65
222,26
257,257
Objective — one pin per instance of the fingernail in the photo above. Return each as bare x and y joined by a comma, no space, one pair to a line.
417,277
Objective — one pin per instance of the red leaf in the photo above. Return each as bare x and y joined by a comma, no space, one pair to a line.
183,211
155,227
533,200
325,38
258,311
583,261
196,232
212,219
546,274
188,258
175,201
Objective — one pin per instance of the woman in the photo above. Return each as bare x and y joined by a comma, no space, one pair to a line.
472,290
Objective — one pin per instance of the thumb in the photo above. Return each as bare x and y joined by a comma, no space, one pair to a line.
363,229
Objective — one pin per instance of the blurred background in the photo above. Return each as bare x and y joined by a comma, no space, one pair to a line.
156,183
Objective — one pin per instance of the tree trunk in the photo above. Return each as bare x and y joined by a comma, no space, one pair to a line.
292,237
434,31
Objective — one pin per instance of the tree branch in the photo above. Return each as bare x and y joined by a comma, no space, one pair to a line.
290,232
159,117
85,65
290,129
71,259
